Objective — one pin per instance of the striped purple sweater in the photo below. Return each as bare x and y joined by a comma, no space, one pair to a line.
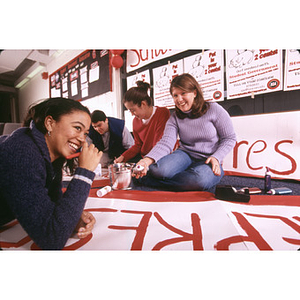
209,135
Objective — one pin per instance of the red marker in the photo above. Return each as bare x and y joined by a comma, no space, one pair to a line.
73,155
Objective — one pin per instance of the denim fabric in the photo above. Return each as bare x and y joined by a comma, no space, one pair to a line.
180,172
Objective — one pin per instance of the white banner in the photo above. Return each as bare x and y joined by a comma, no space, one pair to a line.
250,72
162,77
267,140
292,70
203,225
138,58
208,69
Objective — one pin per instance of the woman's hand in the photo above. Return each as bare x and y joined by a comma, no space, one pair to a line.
119,159
85,225
90,157
215,165
144,163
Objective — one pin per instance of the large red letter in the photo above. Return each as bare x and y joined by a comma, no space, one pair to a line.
195,237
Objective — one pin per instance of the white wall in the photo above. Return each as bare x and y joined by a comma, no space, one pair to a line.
38,88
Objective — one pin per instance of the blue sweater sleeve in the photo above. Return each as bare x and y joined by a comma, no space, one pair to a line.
48,222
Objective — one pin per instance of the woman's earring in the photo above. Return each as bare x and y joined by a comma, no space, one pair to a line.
49,133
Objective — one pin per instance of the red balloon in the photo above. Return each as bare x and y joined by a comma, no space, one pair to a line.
117,51
117,61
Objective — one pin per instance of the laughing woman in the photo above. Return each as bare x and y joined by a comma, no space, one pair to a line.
31,162
206,136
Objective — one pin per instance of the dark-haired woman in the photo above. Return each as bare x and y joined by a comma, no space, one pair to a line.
31,162
206,136
148,124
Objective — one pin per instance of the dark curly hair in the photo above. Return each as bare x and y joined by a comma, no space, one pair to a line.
56,108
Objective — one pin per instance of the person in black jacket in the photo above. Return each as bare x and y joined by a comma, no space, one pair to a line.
31,163
110,136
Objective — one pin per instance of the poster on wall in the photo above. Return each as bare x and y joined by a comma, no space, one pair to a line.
251,72
162,77
142,76
208,69
292,70
86,76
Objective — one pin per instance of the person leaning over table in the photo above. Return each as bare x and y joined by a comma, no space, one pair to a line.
110,135
206,136
31,162
148,123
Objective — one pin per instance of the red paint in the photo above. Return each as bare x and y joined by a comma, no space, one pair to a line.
195,237
252,236
141,229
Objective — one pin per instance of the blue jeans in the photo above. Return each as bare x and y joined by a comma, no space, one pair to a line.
180,172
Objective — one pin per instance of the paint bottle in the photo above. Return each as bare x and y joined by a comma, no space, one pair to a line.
280,191
267,180
102,192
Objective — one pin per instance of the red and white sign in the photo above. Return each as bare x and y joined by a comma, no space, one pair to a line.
208,69
138,58
250,72
162,77
267,140
292,70
142,76
206,224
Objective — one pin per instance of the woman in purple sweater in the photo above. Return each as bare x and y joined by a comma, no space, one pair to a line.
31,162
206,136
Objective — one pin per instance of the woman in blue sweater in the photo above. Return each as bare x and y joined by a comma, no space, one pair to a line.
206,136
31,162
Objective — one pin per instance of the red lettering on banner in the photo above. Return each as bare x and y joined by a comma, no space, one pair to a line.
257,151
195,237
140,229
285,220
294,164
235,153
252,236
250,152
154,53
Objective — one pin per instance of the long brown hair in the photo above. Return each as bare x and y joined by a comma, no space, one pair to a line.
188,83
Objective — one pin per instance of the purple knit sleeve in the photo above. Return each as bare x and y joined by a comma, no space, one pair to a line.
226,133
167,142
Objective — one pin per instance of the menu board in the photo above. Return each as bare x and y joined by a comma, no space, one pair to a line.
162,77
86,76
250,72
208,69
292,70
